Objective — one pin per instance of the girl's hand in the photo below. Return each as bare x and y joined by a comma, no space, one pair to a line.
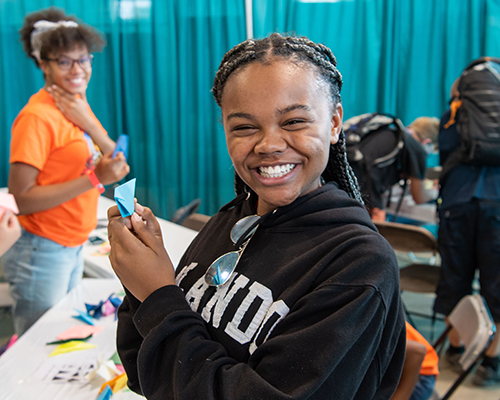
137,255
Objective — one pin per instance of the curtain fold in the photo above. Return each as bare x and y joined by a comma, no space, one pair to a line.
153,79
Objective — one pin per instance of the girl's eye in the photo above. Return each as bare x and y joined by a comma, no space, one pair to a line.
294,122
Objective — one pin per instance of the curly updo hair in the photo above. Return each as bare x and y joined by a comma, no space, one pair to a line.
298,50
60,39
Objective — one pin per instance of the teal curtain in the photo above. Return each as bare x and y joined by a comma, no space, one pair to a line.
396,56
153,79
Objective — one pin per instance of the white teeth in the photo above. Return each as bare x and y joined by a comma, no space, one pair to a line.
78,80
276,171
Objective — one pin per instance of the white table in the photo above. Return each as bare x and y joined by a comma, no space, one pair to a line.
424,213
21,365
176,239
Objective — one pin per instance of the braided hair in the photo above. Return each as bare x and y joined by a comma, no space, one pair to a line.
60,39
300,49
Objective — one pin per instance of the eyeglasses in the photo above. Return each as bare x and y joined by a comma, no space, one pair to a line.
67,64
221,269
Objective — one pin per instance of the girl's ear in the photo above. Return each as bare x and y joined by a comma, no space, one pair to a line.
336,123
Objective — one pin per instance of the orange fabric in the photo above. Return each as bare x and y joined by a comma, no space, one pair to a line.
454,106
43,138
431,360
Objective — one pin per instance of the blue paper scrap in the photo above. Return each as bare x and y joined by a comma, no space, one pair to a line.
106,394
124,197
83,316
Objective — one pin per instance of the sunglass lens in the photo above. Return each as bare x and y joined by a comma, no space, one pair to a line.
221,269
241,227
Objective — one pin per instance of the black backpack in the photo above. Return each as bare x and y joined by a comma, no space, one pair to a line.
477,116
375,175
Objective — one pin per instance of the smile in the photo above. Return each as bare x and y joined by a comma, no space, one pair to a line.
76,81
275,172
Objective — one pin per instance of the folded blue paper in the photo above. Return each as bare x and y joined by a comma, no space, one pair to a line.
124,197
106,394
121,145
83,316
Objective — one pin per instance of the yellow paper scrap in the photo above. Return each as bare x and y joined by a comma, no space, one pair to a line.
74,345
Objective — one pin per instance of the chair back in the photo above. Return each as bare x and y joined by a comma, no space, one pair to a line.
196,221
473,322
407,238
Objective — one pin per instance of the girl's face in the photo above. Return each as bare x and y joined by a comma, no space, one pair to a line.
279,125
76,78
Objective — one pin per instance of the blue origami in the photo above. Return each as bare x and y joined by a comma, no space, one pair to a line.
124,197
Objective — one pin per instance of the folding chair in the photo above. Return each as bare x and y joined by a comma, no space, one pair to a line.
472,320
417,277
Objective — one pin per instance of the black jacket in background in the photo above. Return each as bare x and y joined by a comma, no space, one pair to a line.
312,312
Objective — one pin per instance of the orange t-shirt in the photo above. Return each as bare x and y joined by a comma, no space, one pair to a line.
43,138
431,360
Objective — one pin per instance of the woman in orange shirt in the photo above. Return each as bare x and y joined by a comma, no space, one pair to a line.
57,170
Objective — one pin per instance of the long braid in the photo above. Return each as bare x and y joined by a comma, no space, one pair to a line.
300,49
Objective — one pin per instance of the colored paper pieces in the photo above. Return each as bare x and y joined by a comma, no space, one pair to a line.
124,197
7,202
116,384
71,346
104,308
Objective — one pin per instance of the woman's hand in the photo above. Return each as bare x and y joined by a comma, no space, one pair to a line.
137,255
110,170
10,231
76,110
73,107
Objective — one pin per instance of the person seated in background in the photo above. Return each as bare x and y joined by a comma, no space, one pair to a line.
288,292
10,230
420,369
420,139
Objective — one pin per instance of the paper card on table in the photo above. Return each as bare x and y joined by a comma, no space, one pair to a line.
83,316
55,371
124,197
79,332
7,202
71,346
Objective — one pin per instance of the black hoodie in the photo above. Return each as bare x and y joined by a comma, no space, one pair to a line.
312,311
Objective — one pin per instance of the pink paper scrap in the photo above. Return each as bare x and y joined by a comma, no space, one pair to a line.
79,332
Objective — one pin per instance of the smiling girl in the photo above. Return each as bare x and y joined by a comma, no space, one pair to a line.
288,292
57,170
